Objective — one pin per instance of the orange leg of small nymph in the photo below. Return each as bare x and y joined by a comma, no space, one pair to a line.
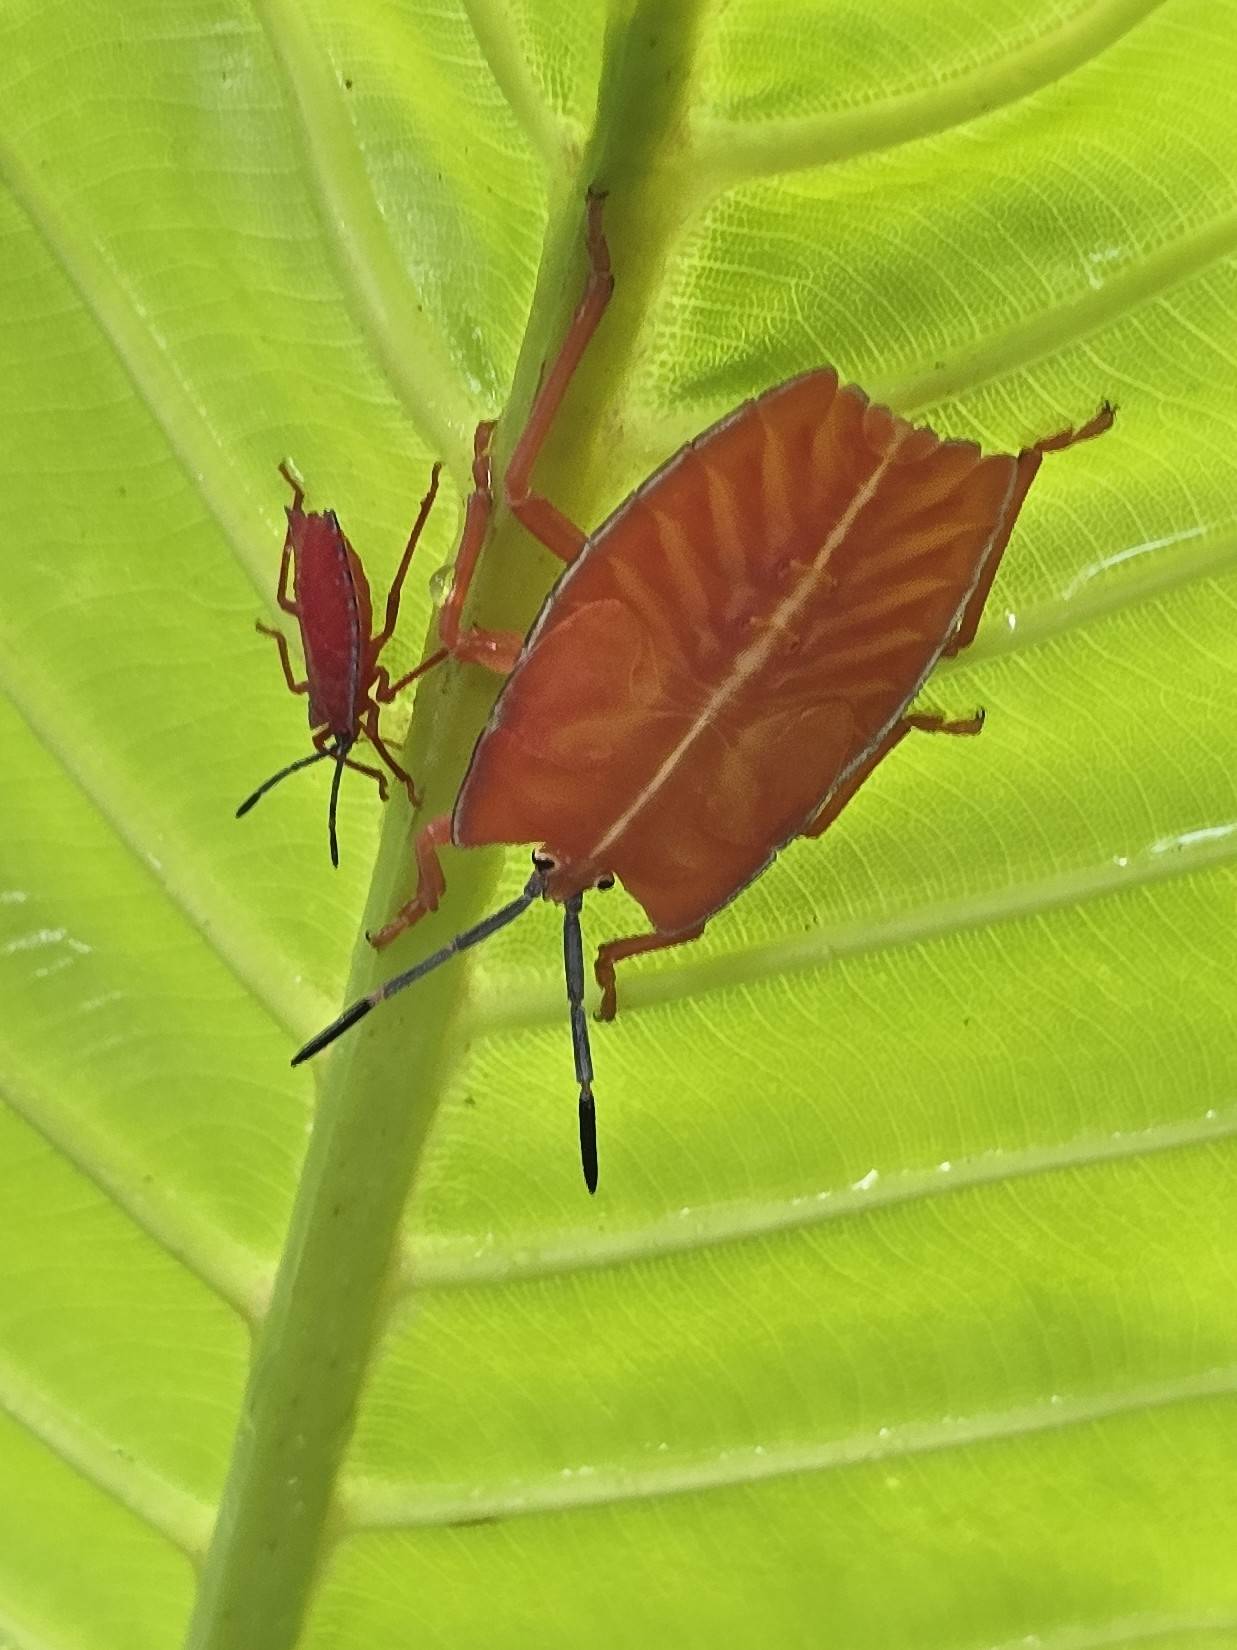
325,738
285,658
284,596
370,726
378,642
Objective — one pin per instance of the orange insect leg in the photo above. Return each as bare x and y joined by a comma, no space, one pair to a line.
924,722
378,642
298,492
1029,460
496,649
325,737
281,642
430,882
541,518
370,726
378,778
285,563
384,690
614,951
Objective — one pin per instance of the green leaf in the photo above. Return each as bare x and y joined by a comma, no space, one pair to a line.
903,1316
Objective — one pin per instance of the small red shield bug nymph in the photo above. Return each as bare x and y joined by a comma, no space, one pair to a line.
722,663
345,683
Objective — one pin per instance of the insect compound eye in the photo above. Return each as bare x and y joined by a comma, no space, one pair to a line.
543,862
604,883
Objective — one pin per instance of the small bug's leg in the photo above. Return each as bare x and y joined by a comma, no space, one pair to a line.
614,951
546,523
282,595
378,777
369,722
298,492
430,882
1028,463
339,750
285,562
920,721
573,968
384,690
496,649
281,642
378,642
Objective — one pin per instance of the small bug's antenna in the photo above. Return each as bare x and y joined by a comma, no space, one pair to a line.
340,753
471,936
293,767
573,967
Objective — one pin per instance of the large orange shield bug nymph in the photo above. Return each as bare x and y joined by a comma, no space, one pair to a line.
723,662
345,683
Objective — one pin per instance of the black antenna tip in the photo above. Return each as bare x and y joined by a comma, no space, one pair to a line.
588,1139
349,1017
246,805
340,754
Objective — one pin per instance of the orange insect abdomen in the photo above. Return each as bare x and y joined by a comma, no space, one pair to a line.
332,596
735,638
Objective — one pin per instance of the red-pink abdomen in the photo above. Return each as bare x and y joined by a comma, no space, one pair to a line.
332,596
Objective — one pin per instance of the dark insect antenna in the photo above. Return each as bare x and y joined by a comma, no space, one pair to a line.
573,963
340,753
269,784
337,753
573,968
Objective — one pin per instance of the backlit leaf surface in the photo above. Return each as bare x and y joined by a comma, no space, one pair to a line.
904,1314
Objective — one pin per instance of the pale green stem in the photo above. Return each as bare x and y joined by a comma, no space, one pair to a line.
340,1265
